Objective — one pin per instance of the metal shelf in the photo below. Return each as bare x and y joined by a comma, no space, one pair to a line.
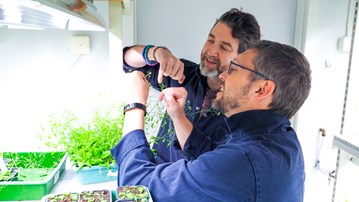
349,144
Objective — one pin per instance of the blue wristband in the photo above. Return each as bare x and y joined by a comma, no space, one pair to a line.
145,56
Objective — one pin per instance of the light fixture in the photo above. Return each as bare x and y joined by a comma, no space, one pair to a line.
49,14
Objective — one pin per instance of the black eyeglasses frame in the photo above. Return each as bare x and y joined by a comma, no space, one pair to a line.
246,68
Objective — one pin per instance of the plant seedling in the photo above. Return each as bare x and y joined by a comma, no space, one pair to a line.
65,197
3,167
87,141
96,196
133,193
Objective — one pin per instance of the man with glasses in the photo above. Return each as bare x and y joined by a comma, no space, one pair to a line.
230,35
261,159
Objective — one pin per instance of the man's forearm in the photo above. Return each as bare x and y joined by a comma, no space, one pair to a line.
183,128
134,119
133,56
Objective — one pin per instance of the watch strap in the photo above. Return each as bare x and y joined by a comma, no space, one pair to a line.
135,105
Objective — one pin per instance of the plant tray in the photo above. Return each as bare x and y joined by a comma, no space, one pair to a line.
96,174
38,172
77,196
84,196
136,193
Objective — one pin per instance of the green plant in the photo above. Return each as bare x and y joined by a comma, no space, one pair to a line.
169,135
134,193
3,167
157,115
95,195
87,141
65,197
5,175
34,167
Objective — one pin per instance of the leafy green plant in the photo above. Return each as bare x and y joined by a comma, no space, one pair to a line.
87,141
30,166
68,197
6,175
84,196
95,195
158,115
3,167
134,193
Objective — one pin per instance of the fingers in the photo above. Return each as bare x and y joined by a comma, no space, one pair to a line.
172,67
175,99
160,74
137,88
162,95
182,79
174,95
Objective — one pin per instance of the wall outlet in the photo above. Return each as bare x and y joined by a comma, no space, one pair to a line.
80,45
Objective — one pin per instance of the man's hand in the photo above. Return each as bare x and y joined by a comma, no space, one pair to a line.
176,100
137,88
169,66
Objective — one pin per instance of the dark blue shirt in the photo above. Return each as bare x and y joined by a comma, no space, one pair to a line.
208,131
260,161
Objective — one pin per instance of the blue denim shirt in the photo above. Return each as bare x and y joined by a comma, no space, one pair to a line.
260,161
208,131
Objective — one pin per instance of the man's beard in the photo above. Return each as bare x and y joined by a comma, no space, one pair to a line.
230,102
208,73
225,104
205,71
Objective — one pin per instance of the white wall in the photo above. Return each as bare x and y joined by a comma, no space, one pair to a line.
39,75
327,20
183,26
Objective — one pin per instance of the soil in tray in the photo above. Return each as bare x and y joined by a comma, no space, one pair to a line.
34,174
66,197
132,193
96,196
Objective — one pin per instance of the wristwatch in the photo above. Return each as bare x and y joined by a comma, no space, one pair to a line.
135,105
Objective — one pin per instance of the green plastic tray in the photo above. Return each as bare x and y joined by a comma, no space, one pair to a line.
37,176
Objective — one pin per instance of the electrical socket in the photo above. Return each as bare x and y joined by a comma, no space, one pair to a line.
80,45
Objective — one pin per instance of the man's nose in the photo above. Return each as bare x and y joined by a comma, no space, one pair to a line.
223,75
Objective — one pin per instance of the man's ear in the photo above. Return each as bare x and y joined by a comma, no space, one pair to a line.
265,89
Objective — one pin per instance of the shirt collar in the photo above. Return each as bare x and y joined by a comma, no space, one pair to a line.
256,120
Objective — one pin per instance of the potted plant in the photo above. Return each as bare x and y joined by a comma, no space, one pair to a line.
136,193
87,141
65,197
84,196
96,195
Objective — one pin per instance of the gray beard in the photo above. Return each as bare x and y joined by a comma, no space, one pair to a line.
207,73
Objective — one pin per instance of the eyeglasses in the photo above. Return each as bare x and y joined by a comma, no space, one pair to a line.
230,68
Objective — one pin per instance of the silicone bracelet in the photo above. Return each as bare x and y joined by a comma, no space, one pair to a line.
145,56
